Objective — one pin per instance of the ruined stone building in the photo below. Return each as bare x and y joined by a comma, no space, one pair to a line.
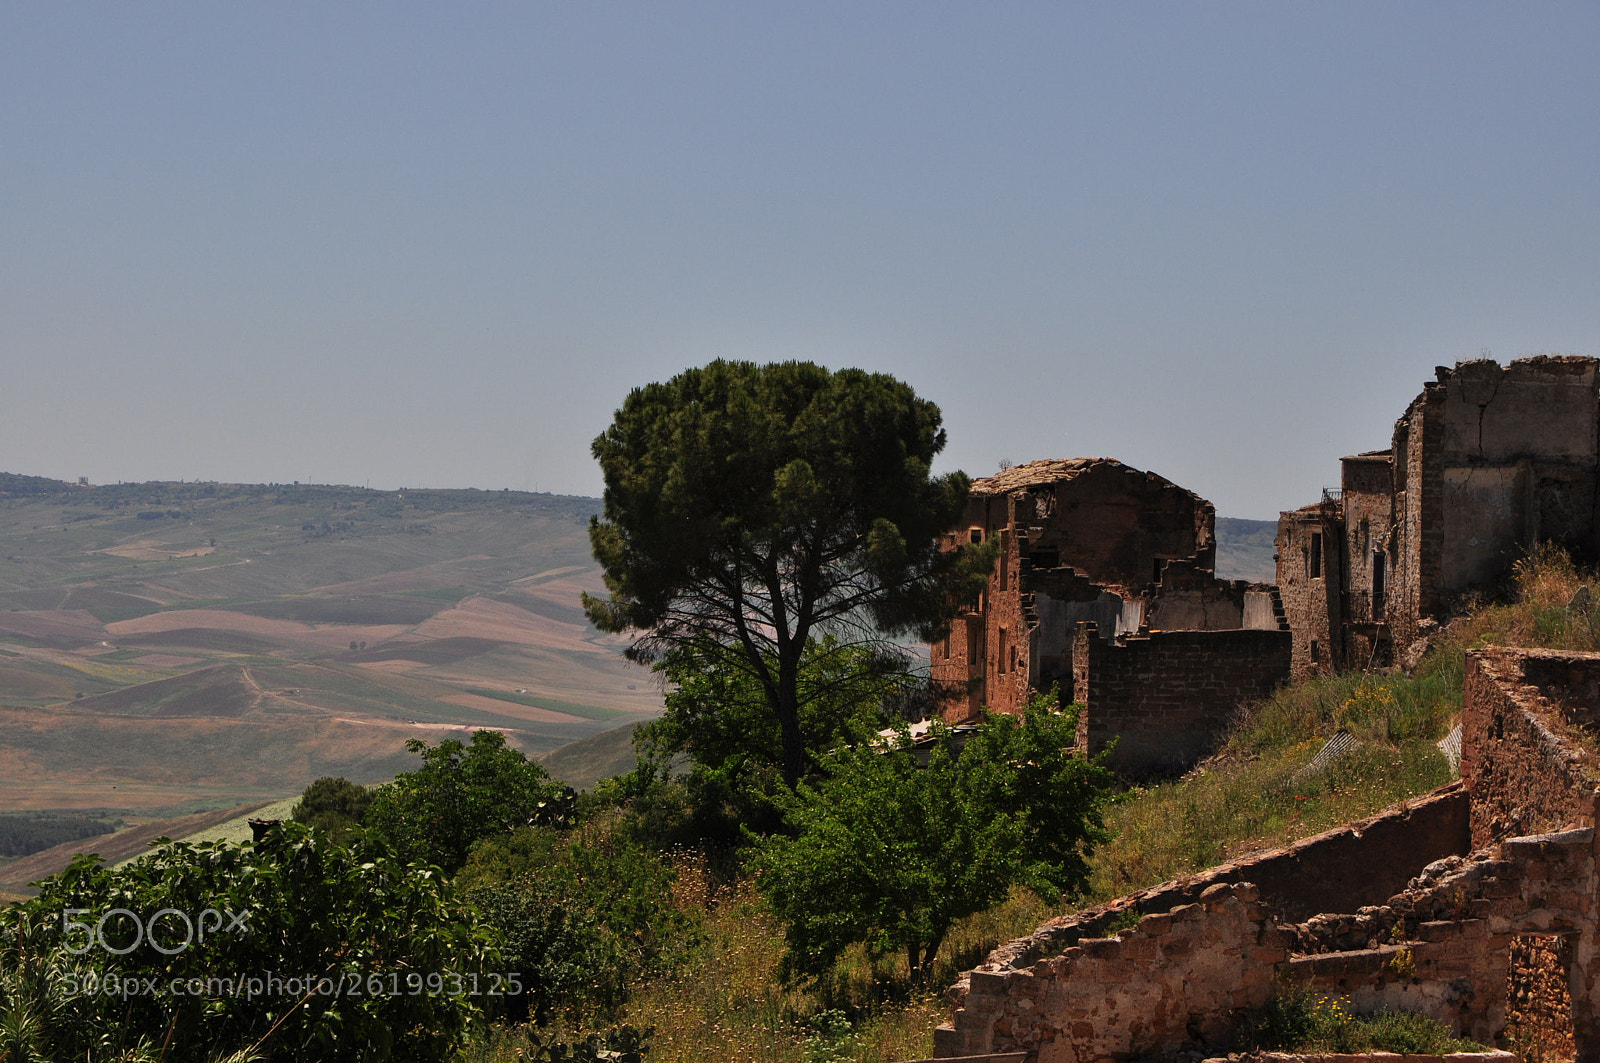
1487,462
1104,583
1477,904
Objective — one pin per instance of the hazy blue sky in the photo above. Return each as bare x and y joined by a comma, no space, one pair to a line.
436,245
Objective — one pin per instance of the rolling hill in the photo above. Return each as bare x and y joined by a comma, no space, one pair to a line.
166,647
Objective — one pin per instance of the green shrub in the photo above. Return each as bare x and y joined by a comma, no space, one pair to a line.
319,918
462,794
1299,1020
579,916
335,805
889,853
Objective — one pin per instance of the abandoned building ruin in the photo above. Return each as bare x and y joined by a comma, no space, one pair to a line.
1105,584
1485,464
1475,904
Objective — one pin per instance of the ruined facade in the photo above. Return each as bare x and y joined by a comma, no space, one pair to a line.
1476,904
1486,463
1104,583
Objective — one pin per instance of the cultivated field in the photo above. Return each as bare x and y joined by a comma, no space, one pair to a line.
166,648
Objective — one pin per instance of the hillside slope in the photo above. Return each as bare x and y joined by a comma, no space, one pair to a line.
170,646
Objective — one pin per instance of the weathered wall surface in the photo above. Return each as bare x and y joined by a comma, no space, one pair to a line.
1366,510
1544,405
1485,463
1168,696
1465,943
1514,451
1500,944
1526,772
1176,978
1308,580
1191,598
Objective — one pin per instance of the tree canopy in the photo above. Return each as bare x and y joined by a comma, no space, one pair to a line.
890,853
751,509
717,713
463,793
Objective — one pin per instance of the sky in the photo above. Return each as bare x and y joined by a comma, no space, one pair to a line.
436,245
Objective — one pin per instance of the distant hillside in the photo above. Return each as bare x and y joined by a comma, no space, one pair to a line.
585,762
113,848
1245,550
176,646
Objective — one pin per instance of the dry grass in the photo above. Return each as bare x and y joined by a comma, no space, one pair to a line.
1245,799
729,1005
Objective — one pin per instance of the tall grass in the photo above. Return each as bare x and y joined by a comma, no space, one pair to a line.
731,1006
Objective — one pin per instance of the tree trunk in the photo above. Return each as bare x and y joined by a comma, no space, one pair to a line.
921,972
788,710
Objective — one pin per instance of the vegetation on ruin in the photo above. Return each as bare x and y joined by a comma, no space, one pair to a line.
1251,795
1299,1020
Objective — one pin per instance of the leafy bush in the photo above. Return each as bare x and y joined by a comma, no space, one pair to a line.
462,794
285,967
580,917
335,805
890,854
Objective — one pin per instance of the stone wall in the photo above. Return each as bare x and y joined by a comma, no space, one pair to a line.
1526,771
1174,979
1467,942
1167,697
1359,863
1310,588
1500,944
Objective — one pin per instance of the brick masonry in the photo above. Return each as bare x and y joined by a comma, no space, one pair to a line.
1163,697
1091,540
1499,942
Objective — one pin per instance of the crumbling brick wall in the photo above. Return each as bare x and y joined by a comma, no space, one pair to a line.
1359,863
1485,463
1309,577
1527,772
1167,697
1484,942
1092,540
1446,946
1179,975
